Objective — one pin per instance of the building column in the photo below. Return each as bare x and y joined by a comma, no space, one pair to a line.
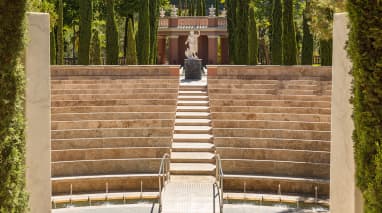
37,113
212,49
173,49
344,194
161,50
224,50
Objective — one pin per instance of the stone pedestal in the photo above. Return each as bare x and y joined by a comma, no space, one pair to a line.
193,69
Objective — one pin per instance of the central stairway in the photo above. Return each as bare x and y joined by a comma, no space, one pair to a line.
192,155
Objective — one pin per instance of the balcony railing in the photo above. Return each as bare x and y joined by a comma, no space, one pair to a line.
192,22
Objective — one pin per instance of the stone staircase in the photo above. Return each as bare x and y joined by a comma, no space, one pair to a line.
192,148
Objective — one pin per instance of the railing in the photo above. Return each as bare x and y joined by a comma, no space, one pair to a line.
219,184
163,176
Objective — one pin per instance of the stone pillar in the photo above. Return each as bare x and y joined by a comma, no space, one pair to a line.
212,49
161,50
173,50
344,195
224,50
37,66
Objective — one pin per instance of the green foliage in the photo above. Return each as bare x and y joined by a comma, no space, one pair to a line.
252,38
326,50
60,30
289,46
307,42
95,51
365,51
231,24
154,14
86,9
131,56
241,33
13,197
276,32
112,49
53,60
143,41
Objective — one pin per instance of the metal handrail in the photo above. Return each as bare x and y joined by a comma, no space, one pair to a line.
163,176
219,181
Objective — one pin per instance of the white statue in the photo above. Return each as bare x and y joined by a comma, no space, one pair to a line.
174,11
224,13
212,10
162,12
192,41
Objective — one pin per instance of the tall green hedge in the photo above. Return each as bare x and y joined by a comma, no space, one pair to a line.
326,52
154,14
276,42
53,49
131,55
95,51
85,11
60,31
112,48
231,24
289,45
365,51
13,197
307,41
143,41
252,38
241,32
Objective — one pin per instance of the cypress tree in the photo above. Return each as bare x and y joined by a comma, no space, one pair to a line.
143,41
13,197
85,31
53,60
95,53
231,24
203,4
241,36
307,41
365,51
326,50
252,38
112,49
276,40
154,14
289,46
131,57
191,11
199,8
60,29
217,7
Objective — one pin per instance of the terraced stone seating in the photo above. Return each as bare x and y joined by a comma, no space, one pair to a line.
110,127
272,128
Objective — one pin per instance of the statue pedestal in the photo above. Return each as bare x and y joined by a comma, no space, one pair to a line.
193,69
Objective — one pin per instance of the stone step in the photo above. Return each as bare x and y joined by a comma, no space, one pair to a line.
121,108
213,86
192,157
276,91
94,124
274,154
270,184
272,133
146,80
192,98
192,147
114,142
192,122
192,93
245,81
270,109
94,97
273,103
199,138
192,88
116,102
192,130
193,179
276,168
60,86
270,117
113,91
121,132
105,167
112,116
264,124
193,109
192,115
97,183
270,97
108,153
272,143
193,103
192,169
